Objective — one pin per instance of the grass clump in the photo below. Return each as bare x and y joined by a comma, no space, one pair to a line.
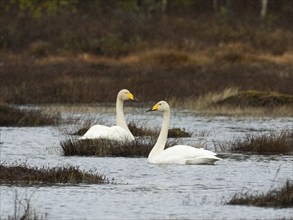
254,98
107,148
139,131
281,198
267,144
178,132
26,175
12,116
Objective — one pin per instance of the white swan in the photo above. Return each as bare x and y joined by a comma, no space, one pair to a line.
120,132
179,154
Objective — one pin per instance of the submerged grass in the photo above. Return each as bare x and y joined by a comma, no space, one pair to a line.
271,143
281,198
141,147
13,116
26,175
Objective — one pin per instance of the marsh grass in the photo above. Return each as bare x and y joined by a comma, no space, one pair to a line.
23,209
232,101
23,174
267,144
13,116
281,198
253,98
136,130
141,147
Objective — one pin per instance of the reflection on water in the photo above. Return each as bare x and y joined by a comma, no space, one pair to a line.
148,191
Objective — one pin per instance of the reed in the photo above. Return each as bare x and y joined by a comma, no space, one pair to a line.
141,147
23,210
280,198
13,116
267,144
23,174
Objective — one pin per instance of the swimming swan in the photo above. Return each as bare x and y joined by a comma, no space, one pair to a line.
179,154
120,132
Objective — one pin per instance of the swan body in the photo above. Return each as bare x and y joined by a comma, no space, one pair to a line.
178,154
120,132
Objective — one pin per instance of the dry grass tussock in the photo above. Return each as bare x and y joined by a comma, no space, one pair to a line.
280,198
23,174
232,101
141,147
271,143
13,116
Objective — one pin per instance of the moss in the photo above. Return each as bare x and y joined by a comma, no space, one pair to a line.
24,174
282,198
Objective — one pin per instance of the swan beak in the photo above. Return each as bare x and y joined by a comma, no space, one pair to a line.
154,108
131,97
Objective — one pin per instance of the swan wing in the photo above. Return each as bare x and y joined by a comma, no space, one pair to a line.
183,154
110,133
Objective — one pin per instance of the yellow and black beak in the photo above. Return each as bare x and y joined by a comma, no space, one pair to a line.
154,108
131,97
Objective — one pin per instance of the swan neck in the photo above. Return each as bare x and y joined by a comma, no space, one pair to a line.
162,139
120,121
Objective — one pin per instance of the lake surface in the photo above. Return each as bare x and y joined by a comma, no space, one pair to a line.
147,191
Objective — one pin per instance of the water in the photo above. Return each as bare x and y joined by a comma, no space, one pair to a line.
147,191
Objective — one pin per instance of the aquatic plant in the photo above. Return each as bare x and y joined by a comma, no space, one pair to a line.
178,132
261,143
13,116
141,147
27,175
281,198
23,209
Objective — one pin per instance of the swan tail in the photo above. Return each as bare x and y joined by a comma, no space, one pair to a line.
203,160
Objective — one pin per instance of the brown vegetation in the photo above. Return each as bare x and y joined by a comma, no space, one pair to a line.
272,143
138,130
280,198
13,116
178,56
141,147
25,175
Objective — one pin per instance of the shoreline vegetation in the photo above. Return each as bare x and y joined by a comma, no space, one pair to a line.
278,198
230,102
23,174
273,143
190,52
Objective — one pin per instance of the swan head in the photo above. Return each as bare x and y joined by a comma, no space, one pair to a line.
161,106
125,94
